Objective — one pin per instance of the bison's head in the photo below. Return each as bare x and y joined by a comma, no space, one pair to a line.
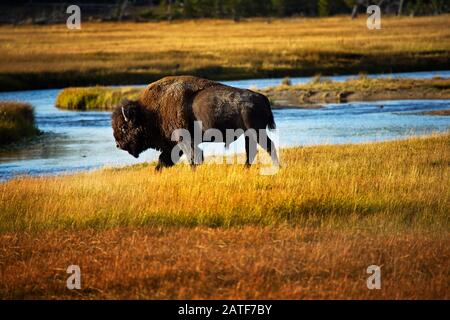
128,127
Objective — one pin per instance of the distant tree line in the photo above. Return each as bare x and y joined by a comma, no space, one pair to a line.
144,10
284,8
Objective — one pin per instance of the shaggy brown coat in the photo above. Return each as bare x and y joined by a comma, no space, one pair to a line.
176,103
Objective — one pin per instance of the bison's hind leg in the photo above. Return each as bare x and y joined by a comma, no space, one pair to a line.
254,137
267,144
197,157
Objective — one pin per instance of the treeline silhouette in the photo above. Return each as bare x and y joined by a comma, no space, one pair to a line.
36,11
285,8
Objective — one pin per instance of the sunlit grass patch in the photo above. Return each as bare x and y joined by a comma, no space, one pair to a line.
94,97
379,186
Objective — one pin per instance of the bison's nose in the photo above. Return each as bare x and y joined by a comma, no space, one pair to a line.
117,145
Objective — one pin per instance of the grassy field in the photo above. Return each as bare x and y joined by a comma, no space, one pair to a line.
221,231
16,122
131,53
318,90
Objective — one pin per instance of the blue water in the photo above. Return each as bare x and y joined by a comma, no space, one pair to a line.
264,83
75,141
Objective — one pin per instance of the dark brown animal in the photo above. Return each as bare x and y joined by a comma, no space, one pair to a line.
177,103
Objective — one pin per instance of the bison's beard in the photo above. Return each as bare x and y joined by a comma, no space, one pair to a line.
135,154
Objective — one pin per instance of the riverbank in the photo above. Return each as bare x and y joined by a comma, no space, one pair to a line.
361,89
302,96
310,231
16,122
38,57
437,113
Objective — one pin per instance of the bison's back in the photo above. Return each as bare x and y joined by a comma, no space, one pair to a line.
223,107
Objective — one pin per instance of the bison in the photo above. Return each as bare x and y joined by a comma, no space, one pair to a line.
180,102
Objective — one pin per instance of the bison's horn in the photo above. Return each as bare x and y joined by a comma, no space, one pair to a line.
124,116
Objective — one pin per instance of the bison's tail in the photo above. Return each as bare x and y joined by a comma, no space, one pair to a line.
271,121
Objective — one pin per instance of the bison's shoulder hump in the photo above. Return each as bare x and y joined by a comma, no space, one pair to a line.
170,97
173,89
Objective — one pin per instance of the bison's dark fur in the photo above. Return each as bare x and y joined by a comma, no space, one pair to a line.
176,102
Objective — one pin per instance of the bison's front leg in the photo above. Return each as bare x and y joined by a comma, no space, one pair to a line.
196,156
165,160
193,152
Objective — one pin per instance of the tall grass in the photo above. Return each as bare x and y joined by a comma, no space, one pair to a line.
16,122
249,262
94,97
130,53
379,187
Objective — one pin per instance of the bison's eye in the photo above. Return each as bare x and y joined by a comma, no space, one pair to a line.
123,130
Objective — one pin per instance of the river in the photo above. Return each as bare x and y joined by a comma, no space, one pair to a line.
76,140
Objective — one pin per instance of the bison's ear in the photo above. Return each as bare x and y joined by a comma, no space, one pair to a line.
131,111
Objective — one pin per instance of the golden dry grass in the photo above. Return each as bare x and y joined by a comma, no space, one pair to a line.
98,98
310,231
237,263
383,186
123,53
